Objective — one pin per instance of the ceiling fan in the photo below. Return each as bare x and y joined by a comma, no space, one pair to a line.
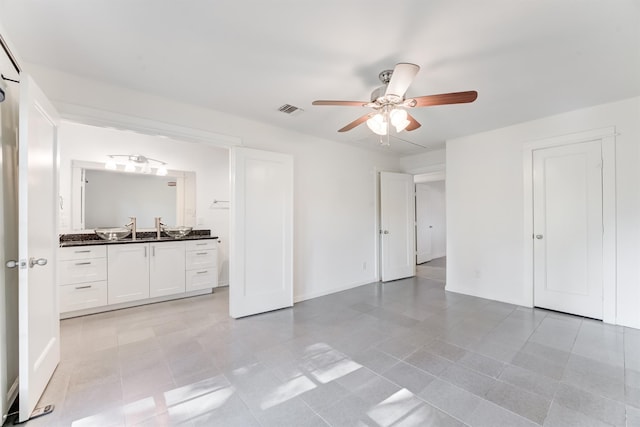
390,105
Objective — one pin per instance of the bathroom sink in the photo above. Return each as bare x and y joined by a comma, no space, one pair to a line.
177,232
113,233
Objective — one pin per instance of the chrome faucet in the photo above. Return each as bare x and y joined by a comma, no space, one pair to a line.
159,225
132,225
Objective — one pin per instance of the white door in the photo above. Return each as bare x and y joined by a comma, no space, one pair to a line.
39,327
397,226
424,224
567,212
261,242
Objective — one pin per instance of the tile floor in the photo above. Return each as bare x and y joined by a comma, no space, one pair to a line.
405,353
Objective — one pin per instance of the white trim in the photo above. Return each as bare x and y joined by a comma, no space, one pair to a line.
607,138
437,174
12,394
310,295
376,230
609,242
129,304
109,119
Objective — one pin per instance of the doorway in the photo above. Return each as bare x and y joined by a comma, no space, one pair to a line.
430,221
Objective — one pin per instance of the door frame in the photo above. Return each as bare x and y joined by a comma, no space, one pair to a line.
607,138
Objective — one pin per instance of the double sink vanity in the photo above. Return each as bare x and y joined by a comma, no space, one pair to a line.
110,271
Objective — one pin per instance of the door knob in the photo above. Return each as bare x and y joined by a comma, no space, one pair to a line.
12,263
385,232
539,236
40,261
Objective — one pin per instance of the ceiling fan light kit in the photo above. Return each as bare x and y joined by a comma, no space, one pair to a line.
390,104
134,160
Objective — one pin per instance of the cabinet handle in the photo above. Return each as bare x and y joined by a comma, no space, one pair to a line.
202,253
145,251
82,252
83,263
153,251
201,244
202,272
83,287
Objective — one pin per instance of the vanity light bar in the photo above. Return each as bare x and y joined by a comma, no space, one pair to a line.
136,159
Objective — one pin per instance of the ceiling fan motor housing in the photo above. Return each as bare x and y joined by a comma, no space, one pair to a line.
378,93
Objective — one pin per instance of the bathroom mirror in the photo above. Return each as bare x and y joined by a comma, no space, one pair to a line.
107,198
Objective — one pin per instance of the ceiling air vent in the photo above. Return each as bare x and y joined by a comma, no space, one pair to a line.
290,109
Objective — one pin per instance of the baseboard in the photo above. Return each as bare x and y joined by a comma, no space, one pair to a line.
311,295
103,308
12,394
470,292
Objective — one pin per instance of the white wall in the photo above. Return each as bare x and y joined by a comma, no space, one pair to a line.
334,194
485,219
424,163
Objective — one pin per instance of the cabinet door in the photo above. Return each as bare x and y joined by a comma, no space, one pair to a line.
128,272
167,268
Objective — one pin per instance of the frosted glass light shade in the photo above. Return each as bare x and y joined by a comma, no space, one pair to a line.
399,120
378,124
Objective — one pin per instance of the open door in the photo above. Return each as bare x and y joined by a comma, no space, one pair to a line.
261,243
39,324
397,226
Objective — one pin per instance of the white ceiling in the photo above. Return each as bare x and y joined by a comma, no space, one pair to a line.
527,59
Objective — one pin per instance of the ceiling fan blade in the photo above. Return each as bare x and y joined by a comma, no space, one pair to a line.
446,98
413,125
342,103
403,75
355,123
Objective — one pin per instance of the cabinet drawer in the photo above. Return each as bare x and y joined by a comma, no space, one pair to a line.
201,279
82,271
202,258
82,252
194,245
81,296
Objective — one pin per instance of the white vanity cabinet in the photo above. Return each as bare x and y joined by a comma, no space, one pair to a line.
201,264
166,268
82,276
107,276
128,270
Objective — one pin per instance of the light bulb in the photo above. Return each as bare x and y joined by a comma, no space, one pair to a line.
161,171
378,124
129,167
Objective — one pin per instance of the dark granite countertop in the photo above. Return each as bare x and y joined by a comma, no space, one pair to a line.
88,239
